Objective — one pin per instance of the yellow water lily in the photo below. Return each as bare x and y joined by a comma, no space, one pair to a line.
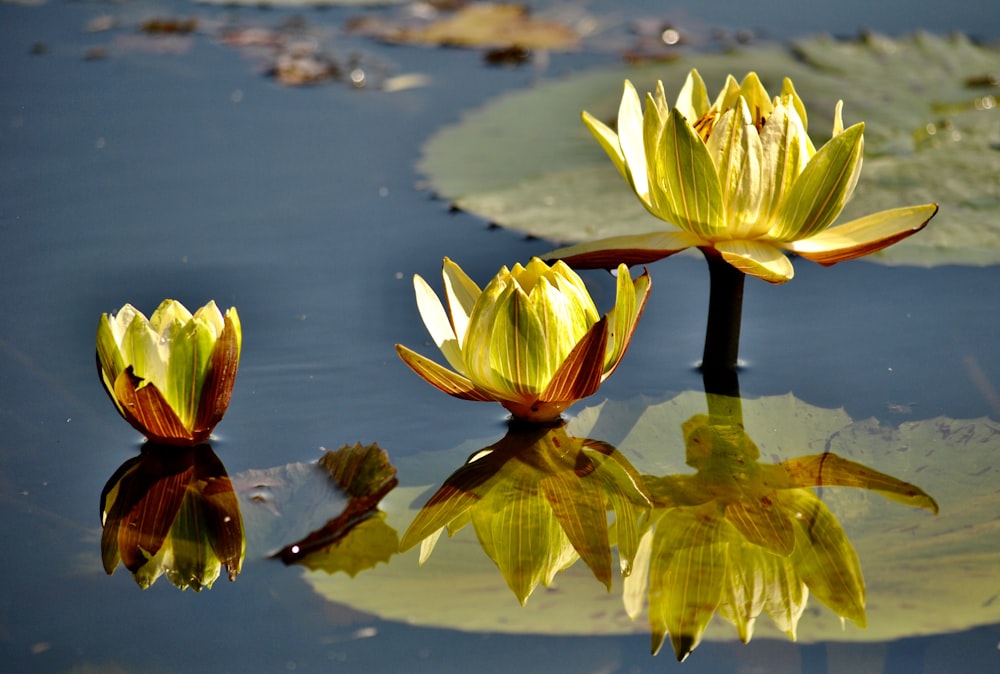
739,178
170,376
532,340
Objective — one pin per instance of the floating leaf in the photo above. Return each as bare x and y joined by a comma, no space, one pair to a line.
932,123
343,544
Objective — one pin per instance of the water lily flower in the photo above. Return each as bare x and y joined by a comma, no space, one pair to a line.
170,376
532,340
740,179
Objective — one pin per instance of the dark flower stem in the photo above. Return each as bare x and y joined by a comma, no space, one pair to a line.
725,313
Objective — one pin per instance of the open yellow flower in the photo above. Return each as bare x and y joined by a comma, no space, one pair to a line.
532,340
170,376
741,179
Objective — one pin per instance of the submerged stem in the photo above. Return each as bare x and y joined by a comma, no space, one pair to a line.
725,314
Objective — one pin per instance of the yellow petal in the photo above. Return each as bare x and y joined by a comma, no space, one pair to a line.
608,140
736,148
757,258
438,325
685,171
461,293
824,186
756,98
632,250
630,136
442,378
692,101
788,91
630,301
865,235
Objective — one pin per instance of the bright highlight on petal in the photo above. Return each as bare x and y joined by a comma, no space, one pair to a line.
532,340
170,376
740,175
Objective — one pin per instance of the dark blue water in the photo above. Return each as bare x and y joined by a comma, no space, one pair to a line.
147,175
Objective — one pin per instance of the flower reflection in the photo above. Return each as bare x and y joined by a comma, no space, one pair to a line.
532,340
742,537
174,512
539,499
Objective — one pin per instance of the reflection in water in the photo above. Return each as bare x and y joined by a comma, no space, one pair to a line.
172,510
359,537
736,537
742,537
538,499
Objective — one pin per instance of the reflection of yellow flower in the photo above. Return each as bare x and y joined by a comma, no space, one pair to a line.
171,376
172,512
741,538
532,340
538,499
741,179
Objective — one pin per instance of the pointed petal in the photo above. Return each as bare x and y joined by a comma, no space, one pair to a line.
829,469
786,595
687,576
736,148
825,559
461,293
110,363
687,175
821,190
630,136
580,508
763,523
217,389
438,324
608,140
631,300
788,91
728,96
785,154
756,97
838,119
190,352
149,413
581,374
865,235
442,378
757,258
461,491
692,101
632,250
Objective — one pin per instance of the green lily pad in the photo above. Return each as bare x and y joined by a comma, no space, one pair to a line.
925,574
525,160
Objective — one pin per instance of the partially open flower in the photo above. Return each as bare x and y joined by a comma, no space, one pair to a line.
171,376
532,340
739,178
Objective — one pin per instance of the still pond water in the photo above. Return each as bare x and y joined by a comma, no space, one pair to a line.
173,167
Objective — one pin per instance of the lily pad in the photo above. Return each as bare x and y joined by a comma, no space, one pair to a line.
925,574
525,161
